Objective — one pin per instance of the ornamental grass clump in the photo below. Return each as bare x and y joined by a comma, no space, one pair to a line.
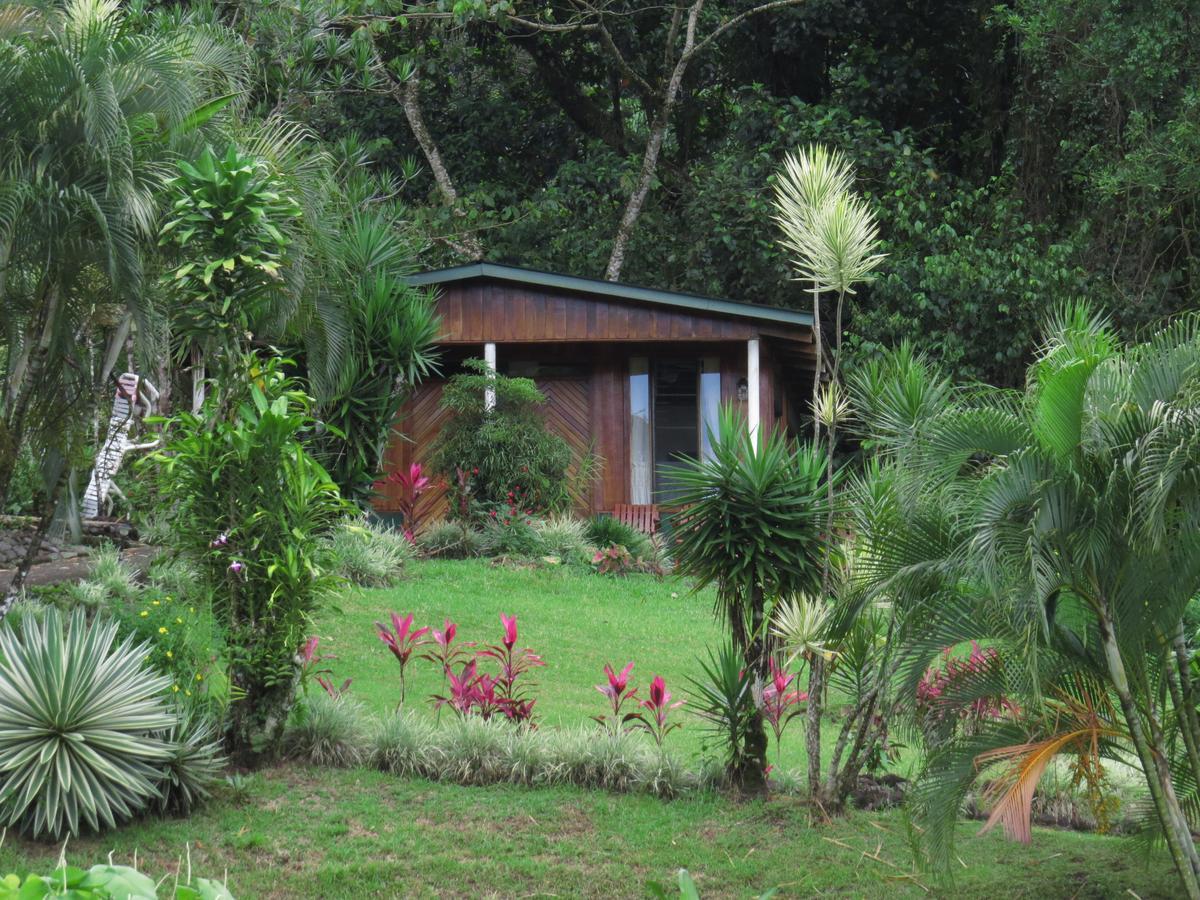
79,726
328,731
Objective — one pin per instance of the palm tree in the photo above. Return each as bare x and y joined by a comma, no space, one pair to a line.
1061,527
89,111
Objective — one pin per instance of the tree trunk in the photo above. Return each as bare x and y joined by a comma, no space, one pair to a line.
13,592
753,777
1154,763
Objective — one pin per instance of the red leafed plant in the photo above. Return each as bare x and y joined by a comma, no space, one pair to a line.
412,485
659,708
618,693
614,560
939,686
515,665
779,704
309,660
402,640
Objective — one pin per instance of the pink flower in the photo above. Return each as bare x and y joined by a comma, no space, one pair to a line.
510,629
236,567
221,540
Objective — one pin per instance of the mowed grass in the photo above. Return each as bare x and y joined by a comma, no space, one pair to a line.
331,834
576,621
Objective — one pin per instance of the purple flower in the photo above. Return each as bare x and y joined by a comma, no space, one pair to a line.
221,540
236,567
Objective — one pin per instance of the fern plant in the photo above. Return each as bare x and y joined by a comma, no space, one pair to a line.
78,718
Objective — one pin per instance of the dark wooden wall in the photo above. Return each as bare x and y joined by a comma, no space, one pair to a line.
473,313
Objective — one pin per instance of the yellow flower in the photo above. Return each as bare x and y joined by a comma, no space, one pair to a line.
178,621
162,629
175,688
170,655
191,609
143,614
199,677
188,693
154,603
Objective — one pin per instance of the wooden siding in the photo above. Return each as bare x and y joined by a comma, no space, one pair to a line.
474,313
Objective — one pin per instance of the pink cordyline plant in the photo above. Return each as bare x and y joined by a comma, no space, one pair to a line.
412,485
618,693
309,660
933,704
659,706
402,641
779,704
446,654
515,665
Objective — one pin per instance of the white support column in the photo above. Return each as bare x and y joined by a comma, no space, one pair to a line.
489,357
753,402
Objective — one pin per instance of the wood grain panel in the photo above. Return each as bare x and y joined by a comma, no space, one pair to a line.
567,414
418,425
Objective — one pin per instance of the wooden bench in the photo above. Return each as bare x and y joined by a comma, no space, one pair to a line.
641,516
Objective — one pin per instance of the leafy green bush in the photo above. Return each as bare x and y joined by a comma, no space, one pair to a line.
78,719
368,554
253,511
104,882
450,540
515,538
501,451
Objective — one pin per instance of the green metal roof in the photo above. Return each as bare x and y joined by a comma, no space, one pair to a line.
498,272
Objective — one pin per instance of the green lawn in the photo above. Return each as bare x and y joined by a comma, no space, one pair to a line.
335,834
577,622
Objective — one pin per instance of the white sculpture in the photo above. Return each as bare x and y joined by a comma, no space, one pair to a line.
135,398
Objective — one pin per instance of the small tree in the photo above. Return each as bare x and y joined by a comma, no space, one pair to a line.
251,510
506,450
751,525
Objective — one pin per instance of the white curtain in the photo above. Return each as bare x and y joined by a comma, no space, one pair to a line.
710,402
640,449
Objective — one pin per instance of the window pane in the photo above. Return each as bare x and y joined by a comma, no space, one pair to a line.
710,403
676,420
639,430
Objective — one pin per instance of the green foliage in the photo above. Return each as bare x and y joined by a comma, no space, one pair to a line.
228,221
565,538
724,699
752,520
450,540
253,512
506,450
609,531
511,537
392,327
78,724
368,554
104,882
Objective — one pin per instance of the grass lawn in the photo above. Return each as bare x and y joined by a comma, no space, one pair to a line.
333,834
577,622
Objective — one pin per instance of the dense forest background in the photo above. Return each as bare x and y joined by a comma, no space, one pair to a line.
1019,154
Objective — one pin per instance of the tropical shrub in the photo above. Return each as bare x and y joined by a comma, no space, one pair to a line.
368,554
510,533
619,693
608,531
752,525
472,692
724,700
105,882
508,449
401,639
79,726
253,511
411,484
614,560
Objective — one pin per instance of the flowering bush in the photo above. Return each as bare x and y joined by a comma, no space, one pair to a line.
946,698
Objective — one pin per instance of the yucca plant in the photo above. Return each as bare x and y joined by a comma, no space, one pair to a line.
78,719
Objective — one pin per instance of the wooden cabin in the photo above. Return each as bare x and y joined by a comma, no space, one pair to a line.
635,373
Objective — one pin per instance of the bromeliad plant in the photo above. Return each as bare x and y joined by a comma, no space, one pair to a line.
402,640
79,719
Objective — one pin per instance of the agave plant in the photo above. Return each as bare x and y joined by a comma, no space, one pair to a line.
78,719
195,762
